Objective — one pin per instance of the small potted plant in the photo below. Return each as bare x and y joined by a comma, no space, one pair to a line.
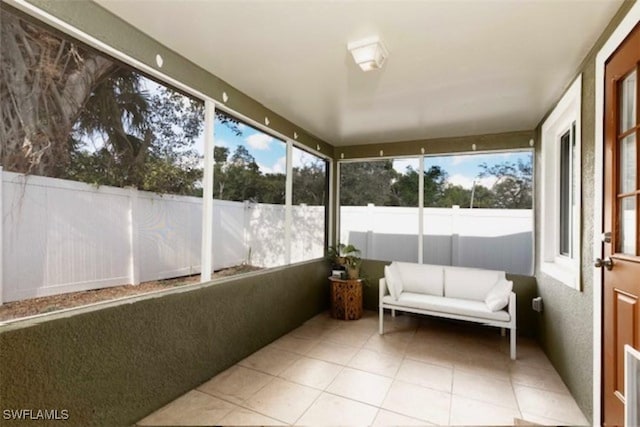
346,257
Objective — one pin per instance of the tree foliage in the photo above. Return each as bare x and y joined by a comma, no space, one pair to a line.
366,182
68,112
238,177
378,183
514,184
45,83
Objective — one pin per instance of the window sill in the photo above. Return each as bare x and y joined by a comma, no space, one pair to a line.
564,273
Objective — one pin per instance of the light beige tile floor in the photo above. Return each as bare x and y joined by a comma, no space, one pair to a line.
422,371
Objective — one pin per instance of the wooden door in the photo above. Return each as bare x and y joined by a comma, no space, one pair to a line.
621,264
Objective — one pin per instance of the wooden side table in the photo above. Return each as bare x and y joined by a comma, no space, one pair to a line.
346,298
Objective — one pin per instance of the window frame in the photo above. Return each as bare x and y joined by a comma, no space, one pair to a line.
422,157
69,31
564,119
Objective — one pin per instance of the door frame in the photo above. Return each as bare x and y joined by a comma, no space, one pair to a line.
617,37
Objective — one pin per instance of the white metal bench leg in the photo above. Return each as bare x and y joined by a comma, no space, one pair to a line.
393,313
503,332
381,328
513,343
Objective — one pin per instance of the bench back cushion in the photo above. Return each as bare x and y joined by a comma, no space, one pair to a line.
394,281
470,283
422,278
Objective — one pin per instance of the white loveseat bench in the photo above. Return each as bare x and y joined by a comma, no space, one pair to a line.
471,294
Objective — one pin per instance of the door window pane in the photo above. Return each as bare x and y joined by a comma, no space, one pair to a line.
628,164
627,225
628,102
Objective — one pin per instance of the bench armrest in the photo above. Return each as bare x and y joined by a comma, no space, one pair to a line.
382,288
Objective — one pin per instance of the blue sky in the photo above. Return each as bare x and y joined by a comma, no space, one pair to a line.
269,152
464,169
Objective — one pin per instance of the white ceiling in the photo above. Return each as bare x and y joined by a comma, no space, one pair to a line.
455,67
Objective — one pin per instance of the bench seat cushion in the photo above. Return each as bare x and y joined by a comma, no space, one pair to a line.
462,307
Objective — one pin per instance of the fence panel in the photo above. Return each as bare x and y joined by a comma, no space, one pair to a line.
307,232
61,236
498,239
383,233
229,239
169,230
265,225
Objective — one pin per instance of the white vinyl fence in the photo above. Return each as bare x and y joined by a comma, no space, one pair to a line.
61,236
498,239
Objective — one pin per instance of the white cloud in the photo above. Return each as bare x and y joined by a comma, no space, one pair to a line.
300,158
259,141
219,142
467,181
400,165
280,166
456,160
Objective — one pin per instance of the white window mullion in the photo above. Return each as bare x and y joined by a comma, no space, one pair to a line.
206,255
421,211
288,216
332,204
337,205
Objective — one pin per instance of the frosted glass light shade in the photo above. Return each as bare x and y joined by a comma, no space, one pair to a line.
369,54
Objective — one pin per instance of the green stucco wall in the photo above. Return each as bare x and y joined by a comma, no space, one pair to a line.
113,366
566,325
523,286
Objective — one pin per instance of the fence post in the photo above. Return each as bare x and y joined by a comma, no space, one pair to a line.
369,245
134,246
455,235
1,239
246,231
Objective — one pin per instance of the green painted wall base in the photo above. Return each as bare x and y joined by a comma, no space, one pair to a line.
114,365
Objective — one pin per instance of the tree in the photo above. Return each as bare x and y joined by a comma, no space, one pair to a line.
56,96
45,82
435,183
366,182
405,188
271,189
483,197
513,186
310,184
455,195
240,177
146,139
220,156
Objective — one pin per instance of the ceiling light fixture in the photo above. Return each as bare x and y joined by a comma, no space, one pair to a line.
369,54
